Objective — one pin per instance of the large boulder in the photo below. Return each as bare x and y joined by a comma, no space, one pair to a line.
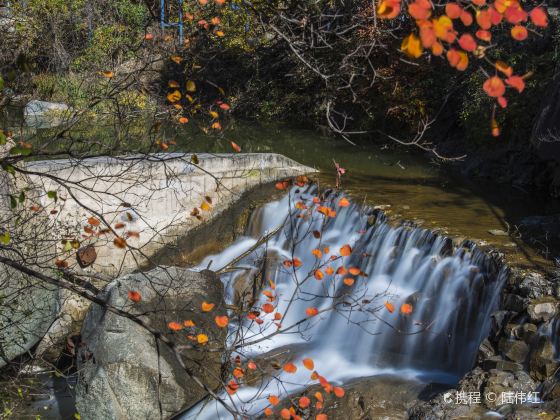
43,114
28,306
125,373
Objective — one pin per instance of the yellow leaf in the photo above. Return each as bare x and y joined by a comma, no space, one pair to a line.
107,74
173,84
191,86
205,206
174,96
411,46
214,114
176,59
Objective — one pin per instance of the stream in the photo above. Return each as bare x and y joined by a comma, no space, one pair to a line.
452,288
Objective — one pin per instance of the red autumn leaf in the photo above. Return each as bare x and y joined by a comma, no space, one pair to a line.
318,274
467,42
119,225
311,311
134,296
235,147
267,308
282,185
539,17
504,68
273,399
318,254
466,18
484,19
502,102
321,416
494,87
484,35
285,414
406,308
338,391
495,16
453,10
238,373
390,307
519,33
221,321
515,14
308,363
252,365
93,221
516,82
297,262
479,2
290,368
174,326
304,402
224,106
418,12
268,412
232,387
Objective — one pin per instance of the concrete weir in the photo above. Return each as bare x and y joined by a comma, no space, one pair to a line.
148,199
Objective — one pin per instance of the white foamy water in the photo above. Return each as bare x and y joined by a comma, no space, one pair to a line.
453,290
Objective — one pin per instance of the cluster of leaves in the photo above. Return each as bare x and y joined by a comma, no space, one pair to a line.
464,29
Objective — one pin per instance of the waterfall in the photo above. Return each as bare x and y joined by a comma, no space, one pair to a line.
452,289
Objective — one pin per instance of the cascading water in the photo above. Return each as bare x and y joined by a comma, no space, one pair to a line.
452,291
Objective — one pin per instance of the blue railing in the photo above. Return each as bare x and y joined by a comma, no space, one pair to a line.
164,23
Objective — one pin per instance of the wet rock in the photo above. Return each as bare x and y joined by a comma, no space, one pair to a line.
485,350
500,382
534,286
523,332
497,362
543,309
499,321
514,303
542,364
514,350
551,388
497,232
123,372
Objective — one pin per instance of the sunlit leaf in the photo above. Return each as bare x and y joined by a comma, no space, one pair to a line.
346,250
311,311
304,402
221,321
412,46
343,202
338,391
174,326
290,368
406,308
207,307
235,147
107,74
267,308
494,87
519,33
539,17
274,400
318,274
202,338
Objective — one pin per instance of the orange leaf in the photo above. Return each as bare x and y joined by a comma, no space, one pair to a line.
285,414
539,17
411,46
297,262
390,307
238,372
329,270
483,19
311,311
175,326
235,147
268,412
232,387
494,127
467,42
388,9
290,368
502,102
221,321
134,296
317,253
273,399
202,338
504,68
267,308
346,250
519,33
343,202
183,120
318,275
304,402
494,87
466,18
338,391
107,74
484,35
321,416
93,221
348,281
516,82
252,365
207,307
418,12
148,37
515,14
308,363
282,185
453,10
188,323
119,242
319,396
406,308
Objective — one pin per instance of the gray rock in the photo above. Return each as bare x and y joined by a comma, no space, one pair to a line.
500,382
534,286
514,303
485,350
497,232
42,114
523,332
514,350
543,309
124,373
542,364
497,362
